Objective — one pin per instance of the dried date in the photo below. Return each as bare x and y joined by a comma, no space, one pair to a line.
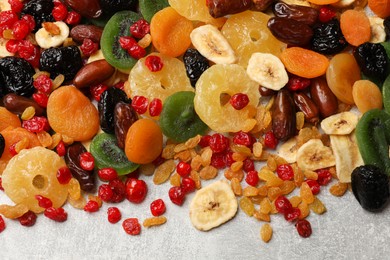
323,97
307,106
283,116
220,8
290,31
124,117
305,14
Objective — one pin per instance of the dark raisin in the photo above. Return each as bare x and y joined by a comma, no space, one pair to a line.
72,159
16,76
195,65
328,38
372,60
62,60
110,7
386,24
2,144
106,107
41,10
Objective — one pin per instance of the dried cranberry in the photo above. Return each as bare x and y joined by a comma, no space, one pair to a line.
314,186
29,52
296,83
59,12
73,18
12,45
16,5
105,192
188,185
131,226
218,160
28,219
20,29
36,124
243,138
285,172
43,83
239,101
252,178
183,169
2,224
30,20
44,202
154,63
270,140
303,227
136,190
326,14
64,175
155,107
324,177
119,190
91,206
140,28
113,215
292,214
219,143
87,161
1,184
107,174
60,148
12,149
88,47
282,204
8,18
131,46
157,207
205,141
177,195
41,99
97,90
56,214
140,104
248,165
228,157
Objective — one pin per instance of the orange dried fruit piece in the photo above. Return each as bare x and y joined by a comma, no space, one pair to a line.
380,7
72,114
266,232
8,118
219,115
154,221
170,32
270,177
299,61
355,27
247,206
34,172
366,95
306,193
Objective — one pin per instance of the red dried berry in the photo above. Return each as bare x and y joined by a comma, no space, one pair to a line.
270,140
88,47
282,204
324,176
60,148
41,99
248,165
239,101
16,5
183,169
2,224
113,215
20,29
296,83
8,18
97,90
12,149
43,202
29,52
314,186
243,138
87,161
30,20
107,174
229,158
177,195
129,44
58,214
252,178
155,107
73,18
285,172
131,226
1,184
218,160
219,143
188,185
326,14
140,28
43,83
28,219
140,104
157,207
205,141
64,175
120,85
292,214
154,63
136,190
105,192
12,46
91,206
36,124
304,228
119,190
59,12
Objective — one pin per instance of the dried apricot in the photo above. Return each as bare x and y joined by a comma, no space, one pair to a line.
72,114
299,61
355,27
7,119
366,95
380,7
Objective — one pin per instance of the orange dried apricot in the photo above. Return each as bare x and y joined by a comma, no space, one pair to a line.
303,62
355,27
72,114
366,95
144,141
380,7
170,32
7,119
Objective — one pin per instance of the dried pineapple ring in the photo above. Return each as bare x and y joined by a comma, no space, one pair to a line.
34,172
222,80
161,84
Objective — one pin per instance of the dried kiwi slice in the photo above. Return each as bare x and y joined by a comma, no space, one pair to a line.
178,119
116,27
106,152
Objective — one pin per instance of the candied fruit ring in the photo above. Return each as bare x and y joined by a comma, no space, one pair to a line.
161,84
34,172
224,80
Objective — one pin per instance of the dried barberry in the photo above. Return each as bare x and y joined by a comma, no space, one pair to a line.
195,65
372,60
328,38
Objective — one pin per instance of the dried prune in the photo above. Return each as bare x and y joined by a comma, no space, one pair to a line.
386,24
300,13
372,60
61,60
16,76
2,144
195,65
290,31
41,10
72,159
106,107
328,38
110,7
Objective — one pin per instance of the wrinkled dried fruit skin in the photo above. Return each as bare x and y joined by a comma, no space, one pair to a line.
17,104
87,8
284,119
195,65
16,76
371,187
261,5
86,31
328,38
124,117
93,73
110,7
307,106
40,10
106,107
323,97
219,8
85,178
305,14
290,31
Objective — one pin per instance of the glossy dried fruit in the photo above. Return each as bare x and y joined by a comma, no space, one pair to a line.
290,31
305,14
328,38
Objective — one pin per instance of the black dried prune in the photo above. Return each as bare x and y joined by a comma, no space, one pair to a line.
328,38
195,65
386,24
110,7
106,107
41,10
16,76
62,60
372,60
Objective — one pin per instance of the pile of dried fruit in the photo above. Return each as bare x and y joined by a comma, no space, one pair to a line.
97,97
